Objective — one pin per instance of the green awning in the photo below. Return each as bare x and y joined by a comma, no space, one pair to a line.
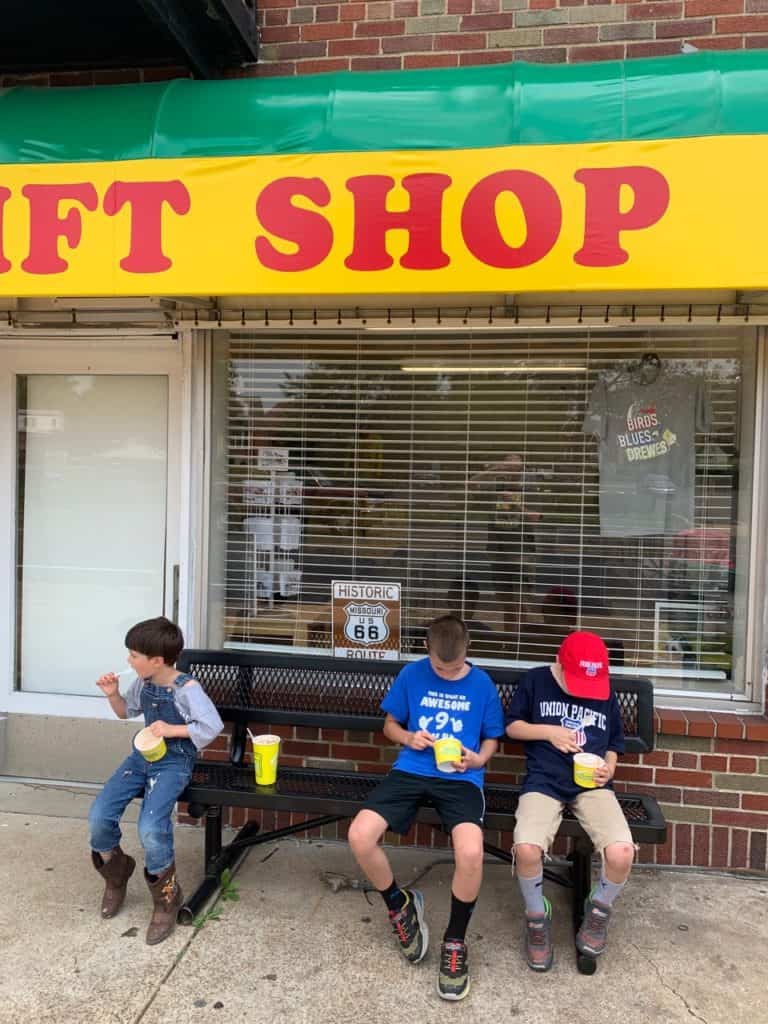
707,93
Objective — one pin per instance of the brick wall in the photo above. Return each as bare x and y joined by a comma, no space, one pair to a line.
308,36
709,774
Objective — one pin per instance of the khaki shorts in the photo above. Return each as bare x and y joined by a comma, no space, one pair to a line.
597,810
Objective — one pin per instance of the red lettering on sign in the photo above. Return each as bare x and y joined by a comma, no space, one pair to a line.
422,221
5,195
541,209
308,230
46,226
146,199
603,218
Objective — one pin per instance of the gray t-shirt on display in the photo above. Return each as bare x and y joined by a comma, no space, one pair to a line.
647,434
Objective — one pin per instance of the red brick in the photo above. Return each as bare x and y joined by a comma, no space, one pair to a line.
757,729
570,34
700,723
216,755
744,765
336,30
327,13
376,63
685,760
670,777
744,819
306,732
352,12
335,734
572,3
739,839
67,78
355,753
743,23
300,748
430,60
758,42
653,11
728,727
541,5
654,757
665,794
746,747
459,7
279,17
118,76
407,44
714,763
717,42
405,9
683,842
381,28
721,839
601,51
652,49
634,773
696,8
664,853
542,55
757,851
460,41
485,57
710,798
352,48
293,760
486,22
671,722
372,768
701,837
754,801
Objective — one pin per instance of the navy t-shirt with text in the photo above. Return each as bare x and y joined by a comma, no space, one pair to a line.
468,708
540,700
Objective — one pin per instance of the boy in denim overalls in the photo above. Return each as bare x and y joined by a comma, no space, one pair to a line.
174,707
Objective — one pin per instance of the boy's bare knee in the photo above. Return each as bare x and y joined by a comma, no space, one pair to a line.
361,835
469,856
619,856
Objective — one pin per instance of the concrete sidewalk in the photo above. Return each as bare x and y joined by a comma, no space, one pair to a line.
685,947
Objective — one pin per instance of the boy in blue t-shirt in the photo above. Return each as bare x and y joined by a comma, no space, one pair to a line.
558,711
442,695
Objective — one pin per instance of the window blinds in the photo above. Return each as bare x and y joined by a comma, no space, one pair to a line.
458,465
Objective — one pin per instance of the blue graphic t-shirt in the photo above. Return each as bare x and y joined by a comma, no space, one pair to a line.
540,700
467,708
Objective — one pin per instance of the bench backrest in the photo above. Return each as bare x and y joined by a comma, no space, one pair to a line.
342,693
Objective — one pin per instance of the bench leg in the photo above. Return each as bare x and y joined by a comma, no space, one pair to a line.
581,873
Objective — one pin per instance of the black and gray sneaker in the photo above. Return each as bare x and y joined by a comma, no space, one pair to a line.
410,927
538,939
592,937
453,979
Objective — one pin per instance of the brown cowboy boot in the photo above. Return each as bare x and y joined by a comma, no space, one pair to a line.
167,897
115,872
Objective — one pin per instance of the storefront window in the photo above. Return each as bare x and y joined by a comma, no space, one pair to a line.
534,483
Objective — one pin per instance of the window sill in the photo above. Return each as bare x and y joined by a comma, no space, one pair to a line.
711,724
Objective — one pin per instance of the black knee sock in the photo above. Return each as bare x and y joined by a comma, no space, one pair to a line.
394,897
459,921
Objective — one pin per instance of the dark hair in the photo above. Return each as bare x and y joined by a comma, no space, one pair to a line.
447,637
156,638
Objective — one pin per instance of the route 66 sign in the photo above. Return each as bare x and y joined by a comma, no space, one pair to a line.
366,620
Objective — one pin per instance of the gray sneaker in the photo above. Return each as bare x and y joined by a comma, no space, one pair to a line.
592,937
453,979
410,928
538,939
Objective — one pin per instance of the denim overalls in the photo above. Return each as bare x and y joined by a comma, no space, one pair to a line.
161,782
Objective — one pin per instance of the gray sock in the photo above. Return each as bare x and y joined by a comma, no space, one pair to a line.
533,893
605,891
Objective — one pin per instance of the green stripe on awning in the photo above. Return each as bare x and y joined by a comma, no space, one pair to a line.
705,93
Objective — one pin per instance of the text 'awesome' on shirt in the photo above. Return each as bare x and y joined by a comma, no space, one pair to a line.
647,435
467,708
540,700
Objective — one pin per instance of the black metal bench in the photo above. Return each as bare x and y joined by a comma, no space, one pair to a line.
337,693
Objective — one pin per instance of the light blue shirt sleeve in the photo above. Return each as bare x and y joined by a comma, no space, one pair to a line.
132,698
199,713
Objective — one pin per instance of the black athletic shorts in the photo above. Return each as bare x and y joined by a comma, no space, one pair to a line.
399,796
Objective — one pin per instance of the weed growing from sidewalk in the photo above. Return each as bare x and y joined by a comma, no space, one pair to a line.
229,893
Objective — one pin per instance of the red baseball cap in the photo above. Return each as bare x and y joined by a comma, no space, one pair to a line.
584,660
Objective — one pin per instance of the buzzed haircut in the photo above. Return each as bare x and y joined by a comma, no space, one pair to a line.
447,638
156,638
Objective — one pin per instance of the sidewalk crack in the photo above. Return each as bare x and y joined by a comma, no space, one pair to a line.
669,987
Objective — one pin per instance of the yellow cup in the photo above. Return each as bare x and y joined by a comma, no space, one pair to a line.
446,751
265,753
151,747
584,766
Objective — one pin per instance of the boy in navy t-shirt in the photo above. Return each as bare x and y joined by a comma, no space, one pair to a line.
439,696
558,711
